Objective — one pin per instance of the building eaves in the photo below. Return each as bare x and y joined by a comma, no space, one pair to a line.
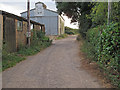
18,17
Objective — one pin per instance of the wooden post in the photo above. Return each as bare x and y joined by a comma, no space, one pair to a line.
28,22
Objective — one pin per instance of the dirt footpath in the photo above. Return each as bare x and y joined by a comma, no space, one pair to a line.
55,67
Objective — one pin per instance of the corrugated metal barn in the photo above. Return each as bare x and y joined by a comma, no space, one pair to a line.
14,29
54,23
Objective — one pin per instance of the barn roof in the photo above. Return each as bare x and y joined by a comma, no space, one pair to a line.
45,9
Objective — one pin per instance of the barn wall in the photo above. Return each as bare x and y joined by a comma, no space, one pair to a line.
61,28
50,13
1,31
50,22
59,32
51,25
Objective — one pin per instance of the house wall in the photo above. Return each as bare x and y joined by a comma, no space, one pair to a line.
1,30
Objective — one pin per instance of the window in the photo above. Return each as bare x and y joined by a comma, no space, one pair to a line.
19,25
32,27
40,28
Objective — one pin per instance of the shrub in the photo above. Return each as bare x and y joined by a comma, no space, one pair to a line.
109,52
79,37
102,44
38,42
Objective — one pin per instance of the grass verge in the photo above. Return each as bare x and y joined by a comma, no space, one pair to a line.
11,59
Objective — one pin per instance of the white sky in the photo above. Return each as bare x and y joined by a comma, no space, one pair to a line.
18,6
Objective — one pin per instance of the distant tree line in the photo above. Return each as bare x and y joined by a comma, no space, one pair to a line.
71,31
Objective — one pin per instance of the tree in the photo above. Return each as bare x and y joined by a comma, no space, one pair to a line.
78,12
98,13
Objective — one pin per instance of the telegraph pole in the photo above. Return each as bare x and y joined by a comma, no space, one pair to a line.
28,23
109,12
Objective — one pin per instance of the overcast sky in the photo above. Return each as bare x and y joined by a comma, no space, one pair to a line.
18,6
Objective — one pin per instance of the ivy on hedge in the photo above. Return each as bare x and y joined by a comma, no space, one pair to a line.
103,45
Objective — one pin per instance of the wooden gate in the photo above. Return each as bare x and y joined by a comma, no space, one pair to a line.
10,34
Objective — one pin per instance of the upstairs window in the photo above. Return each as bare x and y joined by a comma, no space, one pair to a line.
19,25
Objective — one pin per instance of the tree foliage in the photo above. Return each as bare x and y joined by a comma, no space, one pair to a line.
77,11
99,13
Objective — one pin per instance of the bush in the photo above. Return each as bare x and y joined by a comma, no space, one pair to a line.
90,44
109,52
79,37
102,44
39,42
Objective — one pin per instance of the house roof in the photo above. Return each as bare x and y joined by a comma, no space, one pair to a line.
17,17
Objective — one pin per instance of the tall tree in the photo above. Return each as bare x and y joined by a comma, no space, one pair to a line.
77,11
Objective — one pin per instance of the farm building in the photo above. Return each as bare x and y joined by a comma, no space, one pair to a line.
54,23
14,30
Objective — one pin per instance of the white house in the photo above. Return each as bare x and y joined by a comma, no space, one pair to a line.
54,23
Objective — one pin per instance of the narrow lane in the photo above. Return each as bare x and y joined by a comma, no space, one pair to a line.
58,66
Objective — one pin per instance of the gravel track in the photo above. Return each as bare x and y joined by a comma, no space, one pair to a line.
58,66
